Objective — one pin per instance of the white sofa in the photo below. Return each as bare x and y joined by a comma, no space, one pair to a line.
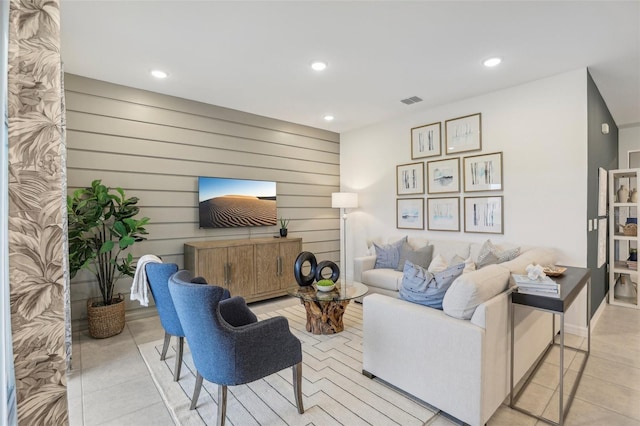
460,366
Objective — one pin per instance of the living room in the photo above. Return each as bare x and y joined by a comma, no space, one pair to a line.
155,145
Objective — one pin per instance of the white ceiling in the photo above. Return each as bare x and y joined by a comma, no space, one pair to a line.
255,56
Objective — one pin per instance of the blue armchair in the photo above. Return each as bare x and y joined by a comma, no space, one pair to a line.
158,277
228,345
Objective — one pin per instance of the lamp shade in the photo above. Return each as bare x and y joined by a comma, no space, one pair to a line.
344,200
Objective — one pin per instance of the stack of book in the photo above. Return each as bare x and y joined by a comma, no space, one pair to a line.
540,286
632,264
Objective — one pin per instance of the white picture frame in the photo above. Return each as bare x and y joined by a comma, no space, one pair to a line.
426,141
483,172
463,134
443,214
410,179
410,213
484,215
443,176
602,191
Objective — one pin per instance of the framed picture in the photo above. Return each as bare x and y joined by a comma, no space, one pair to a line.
443,176
425,141
410,213
483,172
410,179
443,214
602,192
483,214
463,134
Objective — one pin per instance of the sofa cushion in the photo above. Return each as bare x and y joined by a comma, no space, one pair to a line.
388,255
421,286
490,254
420,257
449,248
470,290
388,279
537,256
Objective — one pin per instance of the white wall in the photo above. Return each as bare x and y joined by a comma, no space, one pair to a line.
628,140
541,129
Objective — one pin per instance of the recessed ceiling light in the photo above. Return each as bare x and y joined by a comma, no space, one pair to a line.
492,62
329,117
318,65
159,74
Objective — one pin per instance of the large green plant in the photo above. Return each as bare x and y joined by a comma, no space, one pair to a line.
101,228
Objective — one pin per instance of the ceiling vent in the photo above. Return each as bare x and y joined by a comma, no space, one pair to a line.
411,100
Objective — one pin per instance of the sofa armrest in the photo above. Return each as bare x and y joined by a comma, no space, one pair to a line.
362,264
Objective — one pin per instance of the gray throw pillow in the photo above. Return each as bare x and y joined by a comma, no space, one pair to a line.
422,287
421,257
388,256
490,255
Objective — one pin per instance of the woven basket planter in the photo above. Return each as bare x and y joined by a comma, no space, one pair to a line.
105,321
630,229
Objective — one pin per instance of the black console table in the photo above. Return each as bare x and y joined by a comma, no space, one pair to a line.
571,284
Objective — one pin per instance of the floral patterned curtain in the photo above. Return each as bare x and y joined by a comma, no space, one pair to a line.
36,211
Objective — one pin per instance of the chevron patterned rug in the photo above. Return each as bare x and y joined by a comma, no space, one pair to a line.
334,390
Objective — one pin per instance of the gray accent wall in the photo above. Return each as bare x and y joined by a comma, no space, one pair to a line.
602,152
155,146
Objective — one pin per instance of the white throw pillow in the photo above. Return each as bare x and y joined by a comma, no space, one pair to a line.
470,290
438,264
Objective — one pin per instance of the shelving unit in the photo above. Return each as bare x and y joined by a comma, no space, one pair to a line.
623,278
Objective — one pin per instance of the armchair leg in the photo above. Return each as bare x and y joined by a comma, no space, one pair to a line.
222,404
167,340
196,391
297,386
178,366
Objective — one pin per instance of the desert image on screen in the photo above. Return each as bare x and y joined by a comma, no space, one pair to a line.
236,203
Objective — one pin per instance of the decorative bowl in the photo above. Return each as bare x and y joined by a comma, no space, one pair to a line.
325,287
554,271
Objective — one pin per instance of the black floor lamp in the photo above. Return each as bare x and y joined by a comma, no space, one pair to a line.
344,201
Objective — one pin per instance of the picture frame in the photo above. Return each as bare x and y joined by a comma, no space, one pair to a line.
463,134
483,172
484,215
410,213
426,141
443,214
410,179
443,176
602,191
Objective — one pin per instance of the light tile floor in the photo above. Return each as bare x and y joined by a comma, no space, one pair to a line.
110,384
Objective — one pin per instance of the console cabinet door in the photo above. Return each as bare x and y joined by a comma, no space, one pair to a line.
241,272
211,264
267,278
289,252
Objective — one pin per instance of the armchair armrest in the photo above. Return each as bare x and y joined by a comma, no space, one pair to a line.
235,312
264,347
362,264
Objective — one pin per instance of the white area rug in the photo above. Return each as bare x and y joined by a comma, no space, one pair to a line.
334,390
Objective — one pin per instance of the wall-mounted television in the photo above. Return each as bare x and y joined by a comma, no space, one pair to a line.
230,203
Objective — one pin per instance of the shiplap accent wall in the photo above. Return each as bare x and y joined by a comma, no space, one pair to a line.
155,146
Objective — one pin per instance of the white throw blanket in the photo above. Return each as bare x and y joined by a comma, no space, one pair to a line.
139,286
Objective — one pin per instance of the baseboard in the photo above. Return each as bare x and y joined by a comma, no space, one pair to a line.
135,314
582,330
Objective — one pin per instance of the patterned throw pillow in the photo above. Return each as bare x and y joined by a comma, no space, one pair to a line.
420,257
422,287
388,256
490,255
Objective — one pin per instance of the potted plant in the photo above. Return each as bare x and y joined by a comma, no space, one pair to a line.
102,227
283,227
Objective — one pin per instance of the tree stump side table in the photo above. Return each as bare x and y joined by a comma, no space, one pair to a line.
326,309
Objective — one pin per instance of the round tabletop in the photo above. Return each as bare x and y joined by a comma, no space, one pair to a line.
310,293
